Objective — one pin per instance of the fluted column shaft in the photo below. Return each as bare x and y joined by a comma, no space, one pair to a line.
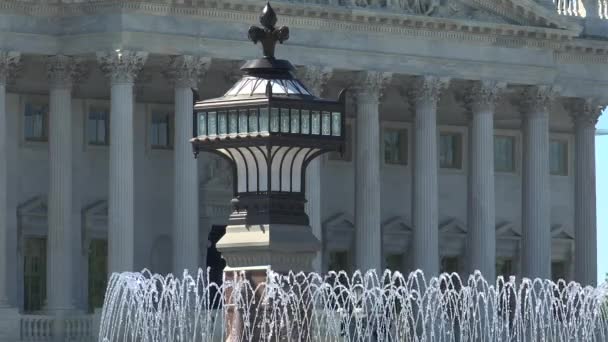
184,72
585,225
122,67
536,211
481,209
8,64
425,210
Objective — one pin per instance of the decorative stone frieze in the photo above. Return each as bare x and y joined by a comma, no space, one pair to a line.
314,77
9,65
185,71
64,70
122,66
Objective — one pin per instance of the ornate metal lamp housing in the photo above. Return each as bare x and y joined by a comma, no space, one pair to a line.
269,127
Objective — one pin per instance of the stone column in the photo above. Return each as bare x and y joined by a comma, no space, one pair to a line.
184,72
122,68
8,65
368,237
62,73
481,206
536,201
315,78
585,114
424,96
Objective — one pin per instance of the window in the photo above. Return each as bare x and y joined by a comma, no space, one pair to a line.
35,123
98,127
394,262
348,150
558,270
450,151
98,273
338,261
395,146
160,131
504,153
34,274
504,267
558,158
449,264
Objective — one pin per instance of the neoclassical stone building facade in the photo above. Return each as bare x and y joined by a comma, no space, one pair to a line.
470,140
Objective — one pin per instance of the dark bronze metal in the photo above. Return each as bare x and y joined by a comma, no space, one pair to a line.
268,35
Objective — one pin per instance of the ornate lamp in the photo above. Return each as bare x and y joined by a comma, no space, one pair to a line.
268,126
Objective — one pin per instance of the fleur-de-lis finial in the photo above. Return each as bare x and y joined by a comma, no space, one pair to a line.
268,35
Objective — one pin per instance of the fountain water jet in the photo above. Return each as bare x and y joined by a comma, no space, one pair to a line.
358,307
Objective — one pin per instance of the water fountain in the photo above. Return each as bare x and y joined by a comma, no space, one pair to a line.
358,307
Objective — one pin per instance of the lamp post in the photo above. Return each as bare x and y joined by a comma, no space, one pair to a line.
269,126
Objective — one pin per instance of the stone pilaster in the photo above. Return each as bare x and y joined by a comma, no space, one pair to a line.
62,71
184,72
480,103
424,97
122,68
585,114
315,78
536,201
9,62
368,237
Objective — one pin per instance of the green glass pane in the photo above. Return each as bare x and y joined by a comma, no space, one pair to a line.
295,121
305,121
284,120
202,123
336,124
316,122
326,123
233,124
274,119
243,121
263,119
253,120
212,123
222,123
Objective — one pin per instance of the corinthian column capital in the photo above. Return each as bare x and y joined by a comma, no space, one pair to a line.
185,71
122,66
315,78
371,84
9,64
537,100
63,70
585,112
427,88
483,95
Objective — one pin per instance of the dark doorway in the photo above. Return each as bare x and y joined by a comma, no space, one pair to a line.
215,264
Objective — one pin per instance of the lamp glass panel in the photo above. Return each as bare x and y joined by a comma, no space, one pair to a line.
305,121
253,120
284,120
295,121
243,119
336,124
316,122
264,119
233,122
212,123
274,120
222,123
202,123
326,123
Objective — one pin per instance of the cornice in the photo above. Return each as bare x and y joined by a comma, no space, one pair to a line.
312,16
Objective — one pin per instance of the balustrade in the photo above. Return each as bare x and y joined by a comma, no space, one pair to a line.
40,328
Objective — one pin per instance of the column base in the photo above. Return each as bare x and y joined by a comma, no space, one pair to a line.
10,329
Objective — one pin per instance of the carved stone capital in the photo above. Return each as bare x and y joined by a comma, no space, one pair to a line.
536,100
371,84
9,65
122,66
315,78
586,111
185,71
63,71
427,88
483,95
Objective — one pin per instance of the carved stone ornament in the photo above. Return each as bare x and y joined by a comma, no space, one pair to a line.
314,78
585,111
122,66
268,35
483,94
427,88
371,84
537,99
9,65
63,70
185,71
